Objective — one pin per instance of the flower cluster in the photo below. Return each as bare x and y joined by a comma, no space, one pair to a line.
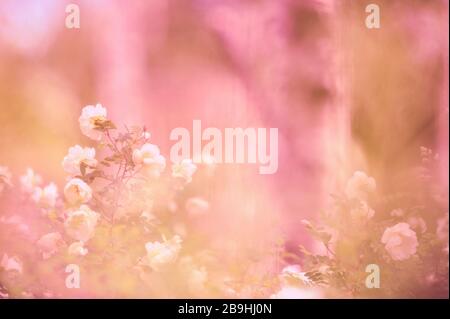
129,223
408,244
116,211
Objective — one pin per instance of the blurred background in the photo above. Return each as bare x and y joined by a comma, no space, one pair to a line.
344,97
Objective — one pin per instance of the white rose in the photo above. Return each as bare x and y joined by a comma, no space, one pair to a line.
11,264
77,249
80,224
30,180
46,196
359,186
400,241
49,244
185,169
150,158
90,119
77,191
160,254
76,156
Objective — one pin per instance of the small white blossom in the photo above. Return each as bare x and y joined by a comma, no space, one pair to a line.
50,244
160,254
184,170
30,180
400,241
76,156
11,264
80,224
360,186
150,158
77,249
90,119
46,196
77,191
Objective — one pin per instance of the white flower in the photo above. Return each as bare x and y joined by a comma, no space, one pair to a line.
185,169
30,180
5,177
160,254
91,118
46,196
77,249
293,292
359,186
149,156
49,244
76,156
400,241
11,264
362,211
80,224
77,191
196,206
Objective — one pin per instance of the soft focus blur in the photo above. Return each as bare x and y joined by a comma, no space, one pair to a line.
344,97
